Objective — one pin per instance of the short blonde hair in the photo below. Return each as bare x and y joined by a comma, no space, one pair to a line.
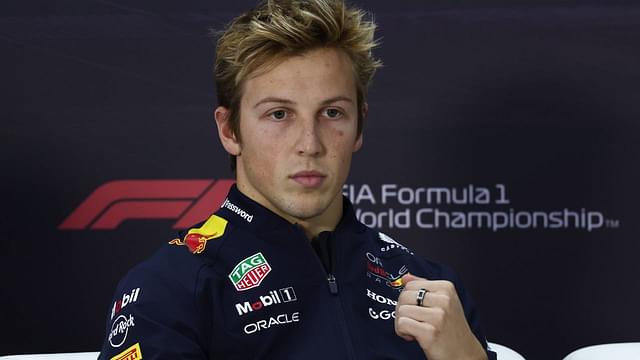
276,29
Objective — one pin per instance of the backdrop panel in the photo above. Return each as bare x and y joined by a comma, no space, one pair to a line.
501,139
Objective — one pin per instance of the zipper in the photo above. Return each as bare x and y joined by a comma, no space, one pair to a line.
333,284
333,289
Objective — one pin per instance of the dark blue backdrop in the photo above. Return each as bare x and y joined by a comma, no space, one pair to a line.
540,98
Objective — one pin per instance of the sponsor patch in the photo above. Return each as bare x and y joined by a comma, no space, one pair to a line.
126,300
250,272
382,315
131,353
120,330
274,297
237,210
281,319
392,244
381,299
196,238
376,270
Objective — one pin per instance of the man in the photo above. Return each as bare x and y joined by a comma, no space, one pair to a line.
284,270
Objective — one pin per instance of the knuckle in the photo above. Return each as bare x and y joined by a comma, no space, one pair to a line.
449,287
446,302
413,285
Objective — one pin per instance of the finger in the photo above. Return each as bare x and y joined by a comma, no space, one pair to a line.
407,327
442,286
431,299
407,337
434,316
410,297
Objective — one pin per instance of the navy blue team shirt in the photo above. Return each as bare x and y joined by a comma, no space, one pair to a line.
247,284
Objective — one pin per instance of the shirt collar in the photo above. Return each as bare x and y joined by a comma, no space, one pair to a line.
245,212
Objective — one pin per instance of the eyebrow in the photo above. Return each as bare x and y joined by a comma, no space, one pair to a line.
273,100
336,99
287,101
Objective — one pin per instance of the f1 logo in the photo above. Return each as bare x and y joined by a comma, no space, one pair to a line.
189,201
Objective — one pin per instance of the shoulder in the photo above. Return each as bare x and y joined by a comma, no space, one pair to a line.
168,291
180,266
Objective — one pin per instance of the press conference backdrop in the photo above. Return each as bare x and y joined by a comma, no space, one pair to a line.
502,139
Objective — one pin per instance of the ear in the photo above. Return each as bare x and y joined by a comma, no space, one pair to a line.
358,143
227,137
359,140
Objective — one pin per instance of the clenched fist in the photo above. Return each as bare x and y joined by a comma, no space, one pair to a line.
439,325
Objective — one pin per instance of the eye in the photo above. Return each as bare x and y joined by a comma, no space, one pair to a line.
332,113
278,115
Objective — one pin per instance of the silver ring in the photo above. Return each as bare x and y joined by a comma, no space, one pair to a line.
420,296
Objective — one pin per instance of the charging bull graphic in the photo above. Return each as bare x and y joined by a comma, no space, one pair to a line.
196,238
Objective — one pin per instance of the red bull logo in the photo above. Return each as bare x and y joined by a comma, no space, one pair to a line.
197,238
376,270
396,283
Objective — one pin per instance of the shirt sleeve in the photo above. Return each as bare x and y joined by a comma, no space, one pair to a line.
156,313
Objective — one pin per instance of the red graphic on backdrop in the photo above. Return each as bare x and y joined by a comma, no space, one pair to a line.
189,201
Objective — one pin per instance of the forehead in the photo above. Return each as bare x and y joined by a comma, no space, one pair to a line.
311,76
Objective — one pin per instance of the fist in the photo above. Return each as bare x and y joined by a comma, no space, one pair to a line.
439,324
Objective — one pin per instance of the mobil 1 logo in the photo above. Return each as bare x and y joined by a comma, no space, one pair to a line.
274,297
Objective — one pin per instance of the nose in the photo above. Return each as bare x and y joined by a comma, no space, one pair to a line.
309,140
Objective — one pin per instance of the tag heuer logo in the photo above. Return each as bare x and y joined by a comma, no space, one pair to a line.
250,272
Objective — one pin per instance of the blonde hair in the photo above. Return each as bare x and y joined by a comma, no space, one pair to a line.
276,29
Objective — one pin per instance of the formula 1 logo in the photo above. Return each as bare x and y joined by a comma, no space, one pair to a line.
250,272
190,201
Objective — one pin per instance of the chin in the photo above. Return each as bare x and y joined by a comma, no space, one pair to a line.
305,210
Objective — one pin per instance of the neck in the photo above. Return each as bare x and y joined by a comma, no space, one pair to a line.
327,221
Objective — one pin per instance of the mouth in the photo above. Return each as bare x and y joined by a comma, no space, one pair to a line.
308,179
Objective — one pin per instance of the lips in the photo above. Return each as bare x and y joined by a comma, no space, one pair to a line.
309,179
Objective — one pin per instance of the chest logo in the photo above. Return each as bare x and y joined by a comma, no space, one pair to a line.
250,272
376,270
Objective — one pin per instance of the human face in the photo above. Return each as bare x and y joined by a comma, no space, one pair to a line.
298,126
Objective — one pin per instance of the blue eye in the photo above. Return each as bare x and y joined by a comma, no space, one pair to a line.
278,115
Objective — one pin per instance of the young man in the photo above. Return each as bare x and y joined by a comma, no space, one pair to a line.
284,270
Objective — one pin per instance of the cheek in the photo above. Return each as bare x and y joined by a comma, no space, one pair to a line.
341,145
